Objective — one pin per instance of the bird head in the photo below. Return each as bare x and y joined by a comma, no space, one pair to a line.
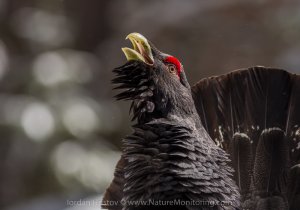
154,81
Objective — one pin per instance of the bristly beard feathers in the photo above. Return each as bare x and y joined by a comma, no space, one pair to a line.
135,80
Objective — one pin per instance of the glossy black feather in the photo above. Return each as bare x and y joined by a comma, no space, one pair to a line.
294,188
242,161
166,161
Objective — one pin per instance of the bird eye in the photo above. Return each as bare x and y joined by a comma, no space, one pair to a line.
172,69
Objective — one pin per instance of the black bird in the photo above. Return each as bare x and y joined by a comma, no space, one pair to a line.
178,154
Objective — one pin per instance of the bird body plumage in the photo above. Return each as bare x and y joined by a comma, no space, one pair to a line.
169,156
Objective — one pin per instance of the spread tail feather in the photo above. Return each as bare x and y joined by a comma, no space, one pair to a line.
254,115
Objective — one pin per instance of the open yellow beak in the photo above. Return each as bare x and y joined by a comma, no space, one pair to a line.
141,49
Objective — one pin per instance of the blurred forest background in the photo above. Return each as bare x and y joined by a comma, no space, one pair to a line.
60,128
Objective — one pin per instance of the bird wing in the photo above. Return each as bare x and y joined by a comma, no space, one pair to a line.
114,193
254,114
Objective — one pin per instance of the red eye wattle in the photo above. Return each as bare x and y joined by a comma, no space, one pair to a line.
175,62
